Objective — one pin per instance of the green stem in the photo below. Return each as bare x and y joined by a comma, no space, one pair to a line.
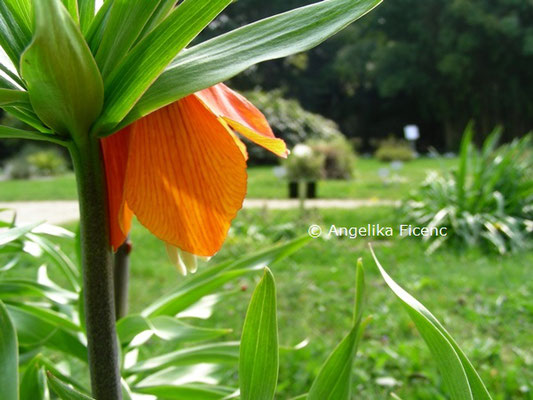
122,272
97,271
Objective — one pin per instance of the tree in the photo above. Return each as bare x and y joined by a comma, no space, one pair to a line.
436,63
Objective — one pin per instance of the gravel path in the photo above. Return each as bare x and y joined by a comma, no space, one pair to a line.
58,212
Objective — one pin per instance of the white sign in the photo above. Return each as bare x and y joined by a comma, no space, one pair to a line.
411,132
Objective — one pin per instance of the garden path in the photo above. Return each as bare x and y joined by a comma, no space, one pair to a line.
59,212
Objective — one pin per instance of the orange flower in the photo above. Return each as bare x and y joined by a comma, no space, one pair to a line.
182,170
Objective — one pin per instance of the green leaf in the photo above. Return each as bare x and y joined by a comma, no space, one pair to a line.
8,357
126,391
48,315
189,392
64,83
22,12
33,384
183,298
224,352
59,258
5,82
32,331
6,132
126,21
259,358
15,288
14,32
28,117
86,11
460,377
9,97
207,281
16,233
51,367
72,8
64,391
96,29
225,56
161,12
254,261
147,60
334,380
164,327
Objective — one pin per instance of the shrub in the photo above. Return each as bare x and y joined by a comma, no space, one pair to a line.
47,162
35,162
393,149
290,122
18,168
339,157
304,164
487,201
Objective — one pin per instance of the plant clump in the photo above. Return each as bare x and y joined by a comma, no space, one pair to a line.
487,201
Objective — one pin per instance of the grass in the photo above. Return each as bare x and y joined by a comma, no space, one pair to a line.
262,183
484,300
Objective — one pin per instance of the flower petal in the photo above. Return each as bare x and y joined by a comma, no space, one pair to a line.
186,177
115,150
242,116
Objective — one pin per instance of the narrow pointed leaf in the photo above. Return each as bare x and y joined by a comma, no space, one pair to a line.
224,352
64,391
14,33
28,117
8,357
206,281
72,8
64,83
4,82
33,384
48,316
14,288
51,367
164,327
223,57
257,260
147,60
96,30
187,296
86,11
334,380
16,233
34,331
459,375
188,391
259,359
6,132
127,19
161,12
12,75
22,13
10,97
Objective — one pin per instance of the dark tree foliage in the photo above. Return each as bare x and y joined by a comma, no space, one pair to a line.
436,63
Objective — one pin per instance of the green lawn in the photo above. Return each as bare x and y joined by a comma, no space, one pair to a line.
483,299
262,183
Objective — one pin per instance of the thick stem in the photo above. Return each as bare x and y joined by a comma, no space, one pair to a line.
97,271
122,272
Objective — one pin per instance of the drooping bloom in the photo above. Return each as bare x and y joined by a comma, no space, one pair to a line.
182,171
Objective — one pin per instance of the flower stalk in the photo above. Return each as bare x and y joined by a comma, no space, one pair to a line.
97,265
122,273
